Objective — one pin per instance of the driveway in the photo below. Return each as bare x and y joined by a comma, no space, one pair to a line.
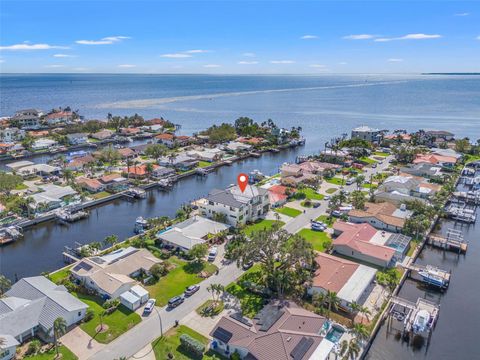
80,343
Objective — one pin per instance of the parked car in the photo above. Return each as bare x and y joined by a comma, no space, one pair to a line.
149,306
175,301
336,213
190,290
247,265
326,197
316,204
350,181
374,165
212,254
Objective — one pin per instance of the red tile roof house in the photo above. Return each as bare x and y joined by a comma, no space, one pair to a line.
277,194
166,139
280,331
182,140
126,153
251,140
130,131
79,163
137,172
349,280
444,161
157,121
103,135
358,241
92,185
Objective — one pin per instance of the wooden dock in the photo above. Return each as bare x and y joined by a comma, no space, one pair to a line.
439,278
453,241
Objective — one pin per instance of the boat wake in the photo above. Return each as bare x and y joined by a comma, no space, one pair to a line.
146,103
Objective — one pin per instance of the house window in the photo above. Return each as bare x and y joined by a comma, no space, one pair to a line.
79,313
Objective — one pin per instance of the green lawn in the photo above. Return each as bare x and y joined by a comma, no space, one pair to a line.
216,310
470,158
381,153
368,186
250,302
327,220
21,186
118,322
336,181
100,195
174,283
412,246
311,194
288,211
49,355
60,275
367,160
202,164
331,190
260,225
171,343
319,239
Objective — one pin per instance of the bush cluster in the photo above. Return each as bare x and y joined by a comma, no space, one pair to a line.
192,345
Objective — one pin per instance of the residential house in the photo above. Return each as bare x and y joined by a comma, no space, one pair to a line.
397,138
91,185
52,196
425,170
277,195
77,138
166,139
43,144
351,282
447,152
17,165
383,216
114,182
207,154
255,141
113,275
190,232
11,135
180,161
280,331
39,133
334,155
8,349
59,117
161,172
27,119
140,149
126,153
235,147
239,207
4,148
182,140
80,162
281,134
130,131
157,121
152,128
39,170
442,135
367,133
137,171
365,243
103,135
32,305
442,161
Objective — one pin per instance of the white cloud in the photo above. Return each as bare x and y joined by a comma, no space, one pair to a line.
55,66
197,51
249,54
211,66
359,37
343,63
2,61
282,62
319,66
63,56
462,14
411,37
127,66
309,37
176,56
247,62
103,41
395,60
26,46
478,37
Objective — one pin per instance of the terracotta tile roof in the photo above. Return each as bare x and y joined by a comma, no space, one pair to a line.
138,169
434,159
358,237
91,183
382,211
39,133
183,137
165,136
109,178
57,115
130,130
251,140
81,161
126,152
333,272
157,121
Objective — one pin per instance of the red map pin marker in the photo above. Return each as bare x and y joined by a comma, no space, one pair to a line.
242,181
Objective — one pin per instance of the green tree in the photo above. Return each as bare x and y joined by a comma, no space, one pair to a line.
59,328
353,349
358,199
220,133
360,331
332,302
159,270
149,169
110,240
5,284
216,290
156,151
359,180
68,175
198,252
110,154
9,182
462,145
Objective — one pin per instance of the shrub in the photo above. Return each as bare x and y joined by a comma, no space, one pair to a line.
89,315
159,270
112,303
33,347
235,356
192,345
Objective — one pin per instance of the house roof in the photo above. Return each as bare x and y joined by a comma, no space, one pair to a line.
81,161
165,136
386,212
358,237
109,178
138,169
126,152
276,332
234,197
434,159
91,183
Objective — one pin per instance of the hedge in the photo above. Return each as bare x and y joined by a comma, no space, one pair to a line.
192,345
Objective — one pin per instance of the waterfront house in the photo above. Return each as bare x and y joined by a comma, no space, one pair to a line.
443,136
91,185
255,141
27,119
31,306
4,148
103,135
442,161
137,171
367,133
166,139
39,133
426,170
181,161
140,149
59,117
351,282
43,144
280,331
383,216
114,182
38,170
238,207
80,162
152,128
182,140
17,165
234,147
52,196
11,134
161,172
157,121
9,347
362,242
277,195
191,232
126,153
334,155
132,131
113,275
77,138
207,154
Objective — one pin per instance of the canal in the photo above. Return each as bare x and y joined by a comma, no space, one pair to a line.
456,333
42,246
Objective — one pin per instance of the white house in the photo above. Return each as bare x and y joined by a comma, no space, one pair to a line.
367,133
9,347
31,306
43,143
11,134
77,138
28,118
238,207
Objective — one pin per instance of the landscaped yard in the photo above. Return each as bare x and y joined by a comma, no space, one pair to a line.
49,355
21,186
212,310
331,190
311,194
412,246
118,322
60,275
174,283
381,153
171,343
368,186
336,181
250,302
288,211
100,195
329,221
260,225
320,240
367,160
202,164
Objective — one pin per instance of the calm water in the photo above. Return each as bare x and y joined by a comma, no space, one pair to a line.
325,106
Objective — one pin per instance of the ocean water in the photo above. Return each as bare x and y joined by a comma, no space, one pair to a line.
325,106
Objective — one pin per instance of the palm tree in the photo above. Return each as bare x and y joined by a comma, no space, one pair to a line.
5,284
59,328
355,309
365,311
360,331
332,300
318,300
353,349
149,169
110,240
359,181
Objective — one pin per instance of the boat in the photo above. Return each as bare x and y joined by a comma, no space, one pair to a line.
255,176
432,276
10,234
137,193
68,216
140,225
421,323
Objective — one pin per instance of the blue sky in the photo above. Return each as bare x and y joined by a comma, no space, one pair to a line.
239,37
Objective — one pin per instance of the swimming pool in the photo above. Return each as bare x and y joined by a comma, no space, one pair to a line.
334,334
